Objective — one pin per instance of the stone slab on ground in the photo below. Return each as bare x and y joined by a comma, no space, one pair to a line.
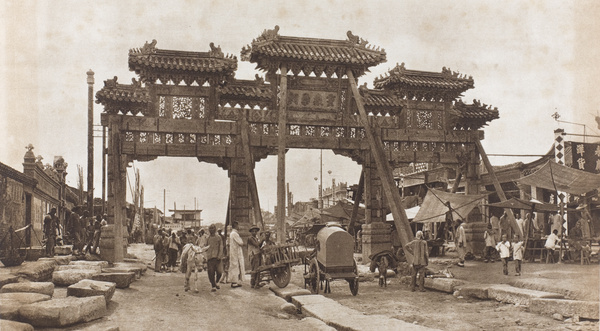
135,269
121,279
46,288
60,260
11,302
90,288
6,325
63,250
568,308
509,294
447,285
532,284
311,323
70,277
341,317
479,291
289,291
37,271
79,267
143,267
64,311
101,264
8,279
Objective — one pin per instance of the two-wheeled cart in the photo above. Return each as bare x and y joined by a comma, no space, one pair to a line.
276,264
333,258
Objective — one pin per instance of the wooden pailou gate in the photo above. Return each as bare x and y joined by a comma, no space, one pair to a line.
188,104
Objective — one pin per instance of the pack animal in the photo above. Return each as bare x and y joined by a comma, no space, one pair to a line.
192,260
382,266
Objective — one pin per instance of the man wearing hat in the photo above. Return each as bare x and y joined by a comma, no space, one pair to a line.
254,254
50,227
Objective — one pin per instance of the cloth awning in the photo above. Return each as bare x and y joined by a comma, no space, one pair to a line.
553,176
434,206
515,203
410,213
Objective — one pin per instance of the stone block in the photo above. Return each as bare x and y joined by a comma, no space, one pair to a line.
95,268
443,284
569,308
8,279
46,288
70,277
509,294
124,269
311,323
90,288
289,291
63,250
6,325
135,265
63,312
38,271
60,260
479,291
121,279
11,302
303,300
101,264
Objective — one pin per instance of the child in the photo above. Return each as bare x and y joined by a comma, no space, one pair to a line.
504,248
490,242
517,254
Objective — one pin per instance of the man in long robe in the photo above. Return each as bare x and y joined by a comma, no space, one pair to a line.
237,268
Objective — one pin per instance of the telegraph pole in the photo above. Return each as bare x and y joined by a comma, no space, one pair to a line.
90,167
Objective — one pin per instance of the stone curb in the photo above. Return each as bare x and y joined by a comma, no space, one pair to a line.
569,308
509,294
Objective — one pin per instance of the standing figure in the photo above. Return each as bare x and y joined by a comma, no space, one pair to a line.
461,243
158,248
518,251
504,248
505,227
490,244
213,255
173,246
557,223
550,245
50,228
75,232
89,232
97,232
520,224
254,254
418,249
236,257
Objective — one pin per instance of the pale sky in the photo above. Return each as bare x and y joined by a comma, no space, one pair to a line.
528,58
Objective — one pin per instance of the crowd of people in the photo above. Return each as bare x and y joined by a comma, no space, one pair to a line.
79,230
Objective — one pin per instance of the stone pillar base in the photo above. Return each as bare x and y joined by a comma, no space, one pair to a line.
375,238
107,244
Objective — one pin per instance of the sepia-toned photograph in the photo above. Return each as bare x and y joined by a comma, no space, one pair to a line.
299,165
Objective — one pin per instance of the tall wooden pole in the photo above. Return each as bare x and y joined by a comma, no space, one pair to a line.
103,170
384,170
90,177
282,126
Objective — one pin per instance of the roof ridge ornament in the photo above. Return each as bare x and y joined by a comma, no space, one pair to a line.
269,34
111,82
215,51
355,39
149,48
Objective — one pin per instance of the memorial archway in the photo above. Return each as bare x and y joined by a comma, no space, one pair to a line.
190,104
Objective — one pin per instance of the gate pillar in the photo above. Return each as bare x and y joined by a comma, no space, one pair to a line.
375,231
113,247
240,206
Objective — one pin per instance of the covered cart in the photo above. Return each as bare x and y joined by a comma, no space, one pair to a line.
333,258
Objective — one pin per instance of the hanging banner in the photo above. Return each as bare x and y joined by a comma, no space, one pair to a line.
586,157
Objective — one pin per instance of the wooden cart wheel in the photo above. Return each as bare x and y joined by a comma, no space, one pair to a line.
12,258
353,282
314,277
281,276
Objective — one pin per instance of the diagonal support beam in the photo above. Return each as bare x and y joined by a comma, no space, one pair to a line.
498,187
384,170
